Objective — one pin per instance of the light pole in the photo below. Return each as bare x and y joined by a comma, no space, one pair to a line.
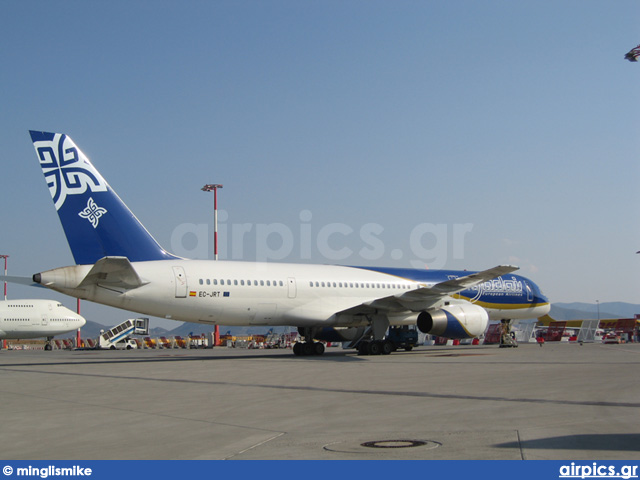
213,187
5,274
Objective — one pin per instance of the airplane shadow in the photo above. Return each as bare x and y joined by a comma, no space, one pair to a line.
606,441
175,356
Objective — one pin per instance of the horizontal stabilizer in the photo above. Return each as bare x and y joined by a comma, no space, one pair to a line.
113,272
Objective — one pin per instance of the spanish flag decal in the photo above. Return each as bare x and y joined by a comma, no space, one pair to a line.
192,293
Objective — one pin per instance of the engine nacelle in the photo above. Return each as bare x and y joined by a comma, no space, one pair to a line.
339,334
454,321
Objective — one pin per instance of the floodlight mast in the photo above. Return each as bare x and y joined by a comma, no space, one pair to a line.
213,187
5,274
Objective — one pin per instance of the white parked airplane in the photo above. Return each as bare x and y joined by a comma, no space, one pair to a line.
37,318
119,263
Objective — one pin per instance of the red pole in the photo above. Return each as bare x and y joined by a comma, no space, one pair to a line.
207,188
215,222
78,336
5,274
216,330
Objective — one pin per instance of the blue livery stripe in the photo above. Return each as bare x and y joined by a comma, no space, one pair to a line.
508,291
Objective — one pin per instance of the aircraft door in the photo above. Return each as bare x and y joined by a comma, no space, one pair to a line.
292,287
44,320
180,278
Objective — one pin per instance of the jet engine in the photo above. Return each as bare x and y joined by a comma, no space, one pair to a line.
339,334
454,321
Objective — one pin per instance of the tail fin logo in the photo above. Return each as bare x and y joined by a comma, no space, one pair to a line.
69,172
93,212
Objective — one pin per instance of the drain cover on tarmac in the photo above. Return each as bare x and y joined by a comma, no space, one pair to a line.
376,445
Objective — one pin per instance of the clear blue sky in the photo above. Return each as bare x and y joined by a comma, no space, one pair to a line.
461,134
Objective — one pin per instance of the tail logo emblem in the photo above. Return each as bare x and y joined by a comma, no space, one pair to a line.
93,212
67,170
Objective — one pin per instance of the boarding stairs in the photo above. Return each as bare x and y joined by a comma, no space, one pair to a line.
120,333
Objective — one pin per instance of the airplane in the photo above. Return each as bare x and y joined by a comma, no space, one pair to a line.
21,319
119,263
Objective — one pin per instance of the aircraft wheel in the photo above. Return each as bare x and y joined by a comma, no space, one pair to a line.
375,348
318,348
297,349
48,347
387,347
307,348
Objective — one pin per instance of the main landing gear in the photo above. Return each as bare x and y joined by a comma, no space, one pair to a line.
308,347
375,347
507,337
375,344
47,345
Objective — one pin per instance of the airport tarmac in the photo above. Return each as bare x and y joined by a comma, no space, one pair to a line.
559,401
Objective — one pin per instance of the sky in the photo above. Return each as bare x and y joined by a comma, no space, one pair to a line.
428,134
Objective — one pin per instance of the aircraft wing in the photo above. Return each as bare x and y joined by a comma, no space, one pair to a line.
115,273
426,297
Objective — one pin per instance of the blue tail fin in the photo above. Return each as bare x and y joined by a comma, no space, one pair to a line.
96,222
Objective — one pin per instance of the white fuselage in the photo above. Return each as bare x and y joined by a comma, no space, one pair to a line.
247,293
36,318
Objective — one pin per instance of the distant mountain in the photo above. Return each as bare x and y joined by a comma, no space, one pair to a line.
585,311
185,329
90,330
